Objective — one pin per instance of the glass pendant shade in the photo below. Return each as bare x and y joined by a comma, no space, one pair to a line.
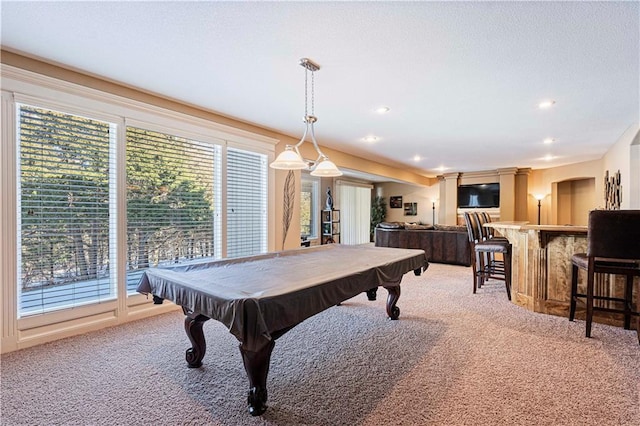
289,160
326,168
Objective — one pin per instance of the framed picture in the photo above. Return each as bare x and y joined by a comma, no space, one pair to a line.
395,202
410,209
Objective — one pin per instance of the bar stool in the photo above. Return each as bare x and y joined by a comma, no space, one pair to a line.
482,268
613,247
488,232
488,235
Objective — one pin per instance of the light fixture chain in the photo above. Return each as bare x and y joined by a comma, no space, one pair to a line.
306,112
313,85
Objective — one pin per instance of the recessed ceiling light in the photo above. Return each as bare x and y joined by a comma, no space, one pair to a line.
442,168
549,140
382,109
546,104
417,158
370,138
548,157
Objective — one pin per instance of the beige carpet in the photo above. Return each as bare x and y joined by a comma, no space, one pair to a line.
453,358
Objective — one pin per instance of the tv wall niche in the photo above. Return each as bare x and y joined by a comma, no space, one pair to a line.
485,195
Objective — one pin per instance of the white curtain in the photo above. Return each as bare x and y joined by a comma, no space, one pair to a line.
355,212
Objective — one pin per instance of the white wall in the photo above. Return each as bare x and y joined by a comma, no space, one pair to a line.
619,157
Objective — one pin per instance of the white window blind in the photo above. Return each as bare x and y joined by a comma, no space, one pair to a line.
246,203
355,213
309,206
66,200
172,197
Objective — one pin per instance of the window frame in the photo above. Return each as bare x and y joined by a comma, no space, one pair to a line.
111,209
215,186
315,208
231,249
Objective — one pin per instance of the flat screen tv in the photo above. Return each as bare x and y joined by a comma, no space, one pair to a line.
479,196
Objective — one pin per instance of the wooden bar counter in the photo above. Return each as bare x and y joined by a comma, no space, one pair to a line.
541,269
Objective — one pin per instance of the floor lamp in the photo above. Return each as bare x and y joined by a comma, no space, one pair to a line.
433,206
539,198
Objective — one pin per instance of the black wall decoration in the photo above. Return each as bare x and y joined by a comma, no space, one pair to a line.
612,191
410,209
395,202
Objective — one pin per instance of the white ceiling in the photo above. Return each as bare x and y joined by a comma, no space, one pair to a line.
462,79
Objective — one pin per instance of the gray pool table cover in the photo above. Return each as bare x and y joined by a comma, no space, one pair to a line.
258,295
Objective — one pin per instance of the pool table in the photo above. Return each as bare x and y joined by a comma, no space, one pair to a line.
260,298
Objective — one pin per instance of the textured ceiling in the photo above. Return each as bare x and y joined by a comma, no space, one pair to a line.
462,79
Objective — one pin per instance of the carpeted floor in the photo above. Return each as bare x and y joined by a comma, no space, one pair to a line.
453,358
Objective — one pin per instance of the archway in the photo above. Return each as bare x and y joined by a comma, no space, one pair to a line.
571,201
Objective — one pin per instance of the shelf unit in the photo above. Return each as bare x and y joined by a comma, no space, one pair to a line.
330,226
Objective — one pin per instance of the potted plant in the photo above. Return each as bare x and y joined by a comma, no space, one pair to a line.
378,213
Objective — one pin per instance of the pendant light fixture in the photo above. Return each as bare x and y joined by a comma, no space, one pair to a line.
290,158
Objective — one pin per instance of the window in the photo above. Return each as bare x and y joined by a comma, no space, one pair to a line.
355,215
66,204
246,203
309,206
96,188
170,201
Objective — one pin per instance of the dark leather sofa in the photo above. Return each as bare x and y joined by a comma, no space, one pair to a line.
442,243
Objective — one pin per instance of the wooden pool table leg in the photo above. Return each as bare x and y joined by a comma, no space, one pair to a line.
256,364
371,293
394,294
193,327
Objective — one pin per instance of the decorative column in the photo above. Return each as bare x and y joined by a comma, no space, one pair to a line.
449,198
507,193
522,194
